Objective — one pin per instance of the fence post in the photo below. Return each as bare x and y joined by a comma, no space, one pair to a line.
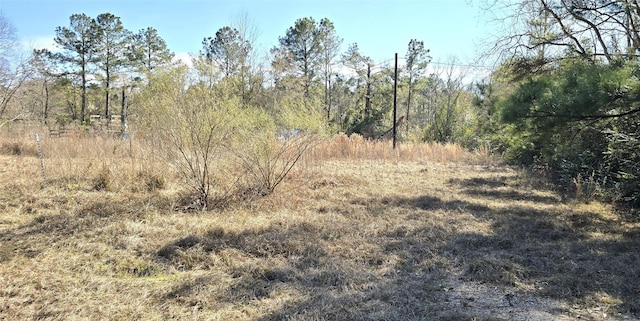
395,101
44,177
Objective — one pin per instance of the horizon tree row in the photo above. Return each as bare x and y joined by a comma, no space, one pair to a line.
564,97
100,50
307,66
306,78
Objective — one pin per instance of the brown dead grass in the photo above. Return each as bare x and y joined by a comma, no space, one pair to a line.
356,232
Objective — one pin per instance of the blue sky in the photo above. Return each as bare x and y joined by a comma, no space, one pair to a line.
449,28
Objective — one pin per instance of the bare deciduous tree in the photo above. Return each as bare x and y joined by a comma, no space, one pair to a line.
13,69
549,29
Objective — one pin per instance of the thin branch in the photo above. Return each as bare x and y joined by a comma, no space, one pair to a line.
565,30
573,118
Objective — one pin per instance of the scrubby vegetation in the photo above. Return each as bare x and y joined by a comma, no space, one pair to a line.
356,231
134,186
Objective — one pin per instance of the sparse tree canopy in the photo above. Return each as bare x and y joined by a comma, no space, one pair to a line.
417,60
228,50
550,29
330,50
355,60
110,51
302,47
79,43
7,40
149,49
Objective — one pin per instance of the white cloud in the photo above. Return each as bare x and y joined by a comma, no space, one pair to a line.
454,70
183,57
39,43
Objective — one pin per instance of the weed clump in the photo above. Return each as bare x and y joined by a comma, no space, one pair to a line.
150,181
18,148
102,180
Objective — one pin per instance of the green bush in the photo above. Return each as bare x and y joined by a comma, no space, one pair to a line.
218,143
581,121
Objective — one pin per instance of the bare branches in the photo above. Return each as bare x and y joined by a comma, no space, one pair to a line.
268,160
591,29
13,70
16,117
7,38
579,118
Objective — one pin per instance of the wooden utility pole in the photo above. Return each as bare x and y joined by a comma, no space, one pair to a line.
395,100
123,111
123,114
367,104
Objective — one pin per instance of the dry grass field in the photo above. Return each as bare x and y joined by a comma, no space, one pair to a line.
355,232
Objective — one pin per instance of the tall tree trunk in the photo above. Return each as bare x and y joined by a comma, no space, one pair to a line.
106,100
307,76
327,89
83,105
71,105
326,96
329,98
46,103
149,66
367,104
409,103
123,112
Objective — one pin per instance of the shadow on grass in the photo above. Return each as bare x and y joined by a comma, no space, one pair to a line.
490,182
426,203
512,195
43,231
403,271
500,188
397,264
571,255
577,257
326,283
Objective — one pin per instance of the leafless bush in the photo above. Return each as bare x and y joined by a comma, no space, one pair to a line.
268,160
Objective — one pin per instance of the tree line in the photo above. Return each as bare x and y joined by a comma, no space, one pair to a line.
96,50
307,76
563,99
566,98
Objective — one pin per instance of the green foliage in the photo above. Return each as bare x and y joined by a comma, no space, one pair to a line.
576,91
94,53
417,57
217,142
446,112
417,60
581,121
364,100
368,124
622,161
303,41
189,128
148,50
110,50
292,111
79,42
79,39
227,49
307,51
330,49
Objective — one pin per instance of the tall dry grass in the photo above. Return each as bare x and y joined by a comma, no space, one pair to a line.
356,232
354,147
93,162
80,161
